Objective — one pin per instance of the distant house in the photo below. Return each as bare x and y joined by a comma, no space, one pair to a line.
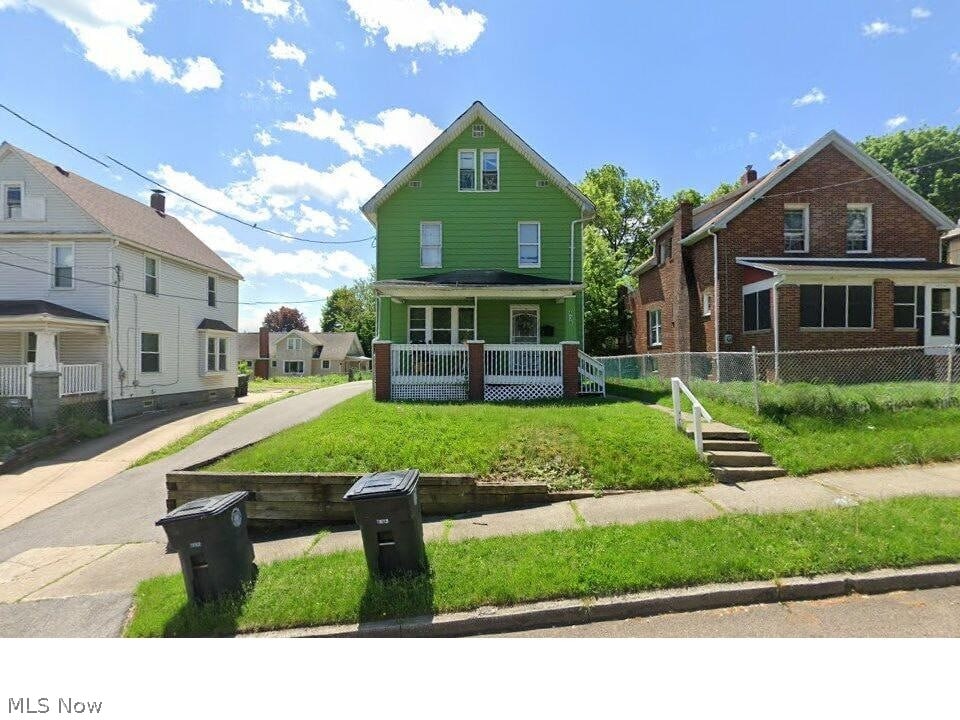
828,250
951,242
302,353
106,299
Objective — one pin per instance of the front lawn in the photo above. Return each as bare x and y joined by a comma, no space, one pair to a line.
588,443
588,562
810,429
297,382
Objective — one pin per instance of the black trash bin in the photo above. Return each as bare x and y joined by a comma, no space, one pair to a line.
210,536
243,386
387,510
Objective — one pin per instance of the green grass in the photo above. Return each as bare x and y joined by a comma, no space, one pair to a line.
894,426
291,382
14,432
597,444
589,562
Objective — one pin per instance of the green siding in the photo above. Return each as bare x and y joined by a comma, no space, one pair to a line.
479,228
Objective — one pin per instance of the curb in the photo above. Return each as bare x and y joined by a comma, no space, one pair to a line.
487,620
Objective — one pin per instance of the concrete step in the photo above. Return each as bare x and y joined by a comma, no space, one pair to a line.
738,458
719,431
745,474
745,445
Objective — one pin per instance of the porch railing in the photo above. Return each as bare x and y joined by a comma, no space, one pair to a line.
81,379
592,375
523,365
428,364
15,380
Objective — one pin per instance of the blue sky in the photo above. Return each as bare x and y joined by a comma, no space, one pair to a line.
290,114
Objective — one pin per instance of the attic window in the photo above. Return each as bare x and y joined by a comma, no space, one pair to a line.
478,130
542,183
415,184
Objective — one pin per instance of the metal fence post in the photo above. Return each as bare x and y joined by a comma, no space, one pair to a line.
948,396
756,380
677,416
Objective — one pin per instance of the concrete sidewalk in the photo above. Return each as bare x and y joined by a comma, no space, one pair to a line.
68,573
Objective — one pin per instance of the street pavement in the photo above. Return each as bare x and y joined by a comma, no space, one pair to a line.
916,613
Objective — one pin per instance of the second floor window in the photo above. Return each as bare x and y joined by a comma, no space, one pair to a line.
796,228
654,328
664,250
431,244
151,282
211,291
12,202
859,230
467,169
294,343
490,177
63,266
528,238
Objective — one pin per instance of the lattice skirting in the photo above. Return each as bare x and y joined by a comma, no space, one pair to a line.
503,393
429,393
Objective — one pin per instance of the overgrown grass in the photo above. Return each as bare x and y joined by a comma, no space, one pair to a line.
294,382
15,432
895,426
589,562
597,444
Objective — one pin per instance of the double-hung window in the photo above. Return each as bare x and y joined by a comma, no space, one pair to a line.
836,306
293,367
216,354
654,328
151,275
467,169
706,303
528,239
859,228
294,343
431,244
62,257
490,169
796,228
13,201
908,306
149,352
211,291
756,311
440,324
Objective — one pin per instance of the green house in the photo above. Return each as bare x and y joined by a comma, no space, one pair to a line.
479,239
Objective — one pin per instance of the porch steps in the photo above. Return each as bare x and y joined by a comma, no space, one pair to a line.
733,457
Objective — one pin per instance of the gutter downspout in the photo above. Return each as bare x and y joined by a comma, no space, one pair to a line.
110,330
776,329
716,300
581,220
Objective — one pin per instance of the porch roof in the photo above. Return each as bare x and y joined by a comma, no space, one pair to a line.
478,283
45,312
914,269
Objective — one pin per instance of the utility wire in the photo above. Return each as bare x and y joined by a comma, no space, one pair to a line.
50,134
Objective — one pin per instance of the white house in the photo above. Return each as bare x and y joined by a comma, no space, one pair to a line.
105,298
302,353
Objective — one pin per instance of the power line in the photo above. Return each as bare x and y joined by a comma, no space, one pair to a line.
50,134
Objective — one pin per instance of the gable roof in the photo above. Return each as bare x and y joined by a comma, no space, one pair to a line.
335,344
127,218
248,344
477,111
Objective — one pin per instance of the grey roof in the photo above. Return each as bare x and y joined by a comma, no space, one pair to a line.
208,324
128,218
847,264
12,308
481,277
336,345
248,344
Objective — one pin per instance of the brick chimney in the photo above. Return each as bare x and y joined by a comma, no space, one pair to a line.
748,176
264,342
682,270
158,201
682,221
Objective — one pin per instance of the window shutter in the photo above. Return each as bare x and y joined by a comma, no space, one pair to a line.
34,207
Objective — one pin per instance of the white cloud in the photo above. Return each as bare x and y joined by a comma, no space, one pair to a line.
271,10
278,87
108,33
815,96
282,50
782,152
878,28
896,121
419,24
320,88
264,138
753,136
920,13
313,220
311,289
186,184
396,127
414,68
955,58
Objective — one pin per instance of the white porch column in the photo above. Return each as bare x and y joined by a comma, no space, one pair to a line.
46,351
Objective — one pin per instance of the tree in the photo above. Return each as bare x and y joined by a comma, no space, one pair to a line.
602,315
285,319
936,149
352,309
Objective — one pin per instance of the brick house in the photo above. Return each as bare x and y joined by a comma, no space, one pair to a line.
828,250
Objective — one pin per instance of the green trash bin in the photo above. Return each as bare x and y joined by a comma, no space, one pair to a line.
210,536
387,509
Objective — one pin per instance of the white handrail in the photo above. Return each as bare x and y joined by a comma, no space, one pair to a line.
15,380
699,412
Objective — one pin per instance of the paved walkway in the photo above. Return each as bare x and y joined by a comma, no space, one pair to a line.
48,482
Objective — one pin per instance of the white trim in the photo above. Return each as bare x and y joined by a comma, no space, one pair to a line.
440,224
869,208
53,265
774,260
472,151
912,304
421,291
759,285
3,200
930,340
480,187
158,353
743,307
658,326
706,303
520,262
155,276
806,226
428,326
524,309
477,111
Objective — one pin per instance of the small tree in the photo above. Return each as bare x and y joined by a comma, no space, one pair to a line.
285,319
352,309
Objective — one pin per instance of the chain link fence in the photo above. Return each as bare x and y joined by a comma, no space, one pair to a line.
864,378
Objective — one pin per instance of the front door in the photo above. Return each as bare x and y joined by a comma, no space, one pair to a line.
940,328
524,325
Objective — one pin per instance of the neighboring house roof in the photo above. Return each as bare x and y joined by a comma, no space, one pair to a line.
336,345
208,324
128,218
248,344
16,308
813,268
481,278
477,111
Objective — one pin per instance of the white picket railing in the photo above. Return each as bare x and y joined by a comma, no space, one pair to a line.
15,380
428,364
592,376
81,379
523,365
699,412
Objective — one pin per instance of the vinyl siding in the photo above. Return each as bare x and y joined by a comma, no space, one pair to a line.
11,348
